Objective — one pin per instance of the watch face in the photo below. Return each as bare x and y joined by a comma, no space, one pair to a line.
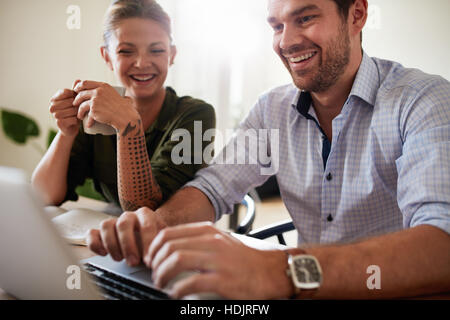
307,273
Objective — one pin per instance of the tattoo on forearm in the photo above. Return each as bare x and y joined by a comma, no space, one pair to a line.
128,129
136,184
139,131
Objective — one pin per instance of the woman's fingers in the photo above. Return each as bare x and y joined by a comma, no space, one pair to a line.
59,105
63,94
66,113
83,110
87,85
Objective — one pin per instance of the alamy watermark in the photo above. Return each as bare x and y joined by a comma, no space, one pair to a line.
73,281
74,20
247,147
374,281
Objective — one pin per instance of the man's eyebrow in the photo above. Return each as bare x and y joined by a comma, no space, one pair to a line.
296,12
154,44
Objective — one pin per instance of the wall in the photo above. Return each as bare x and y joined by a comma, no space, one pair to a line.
217,41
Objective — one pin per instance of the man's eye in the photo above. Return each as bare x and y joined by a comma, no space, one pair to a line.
305,19
278,27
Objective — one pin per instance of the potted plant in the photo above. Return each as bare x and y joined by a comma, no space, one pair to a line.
22,129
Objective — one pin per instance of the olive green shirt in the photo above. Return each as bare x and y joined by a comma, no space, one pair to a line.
95,156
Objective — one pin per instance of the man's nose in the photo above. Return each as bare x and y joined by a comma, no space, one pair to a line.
290,39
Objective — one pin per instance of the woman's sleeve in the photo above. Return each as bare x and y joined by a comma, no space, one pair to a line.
181,155
79,165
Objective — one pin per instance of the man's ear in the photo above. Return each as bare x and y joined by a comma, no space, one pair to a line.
358,16
106,57
173,54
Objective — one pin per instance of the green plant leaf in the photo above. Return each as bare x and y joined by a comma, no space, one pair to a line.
18,127
88,190
51,135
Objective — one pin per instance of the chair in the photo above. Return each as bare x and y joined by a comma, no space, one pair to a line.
246,224
275,229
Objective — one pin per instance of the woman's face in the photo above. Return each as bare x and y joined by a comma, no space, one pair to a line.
139,53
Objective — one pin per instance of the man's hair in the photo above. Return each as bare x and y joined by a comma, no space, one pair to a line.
344,6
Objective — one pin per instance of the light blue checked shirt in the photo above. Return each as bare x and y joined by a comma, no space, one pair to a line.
389,165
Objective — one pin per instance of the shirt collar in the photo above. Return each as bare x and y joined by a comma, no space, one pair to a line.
365,86
367,81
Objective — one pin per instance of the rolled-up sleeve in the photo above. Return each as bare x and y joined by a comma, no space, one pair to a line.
424,167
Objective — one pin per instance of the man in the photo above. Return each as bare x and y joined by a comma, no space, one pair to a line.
363,169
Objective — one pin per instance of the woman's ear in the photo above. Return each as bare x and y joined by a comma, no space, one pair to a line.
173,53
105,55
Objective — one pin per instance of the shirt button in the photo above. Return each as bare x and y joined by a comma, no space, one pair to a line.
330,218
329,176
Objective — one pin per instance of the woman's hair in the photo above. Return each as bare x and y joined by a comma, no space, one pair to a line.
120,10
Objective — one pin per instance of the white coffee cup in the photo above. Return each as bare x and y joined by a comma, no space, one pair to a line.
101,128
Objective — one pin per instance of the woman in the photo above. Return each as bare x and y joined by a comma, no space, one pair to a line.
132,168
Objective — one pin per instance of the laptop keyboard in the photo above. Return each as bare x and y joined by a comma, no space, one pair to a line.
115,287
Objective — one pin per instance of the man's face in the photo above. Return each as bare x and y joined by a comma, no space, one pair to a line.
312,40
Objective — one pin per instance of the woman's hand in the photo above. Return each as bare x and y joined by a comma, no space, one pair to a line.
104,104
64,111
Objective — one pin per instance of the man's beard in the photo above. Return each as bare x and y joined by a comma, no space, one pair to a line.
331,68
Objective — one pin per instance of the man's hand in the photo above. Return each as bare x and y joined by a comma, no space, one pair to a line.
227,267
127,237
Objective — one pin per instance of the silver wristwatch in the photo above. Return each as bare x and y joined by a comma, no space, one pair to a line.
305,272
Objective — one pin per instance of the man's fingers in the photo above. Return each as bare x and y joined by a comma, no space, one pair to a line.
179,261
206,242
181,231
149,226
197,283
126,226
110,240
94,242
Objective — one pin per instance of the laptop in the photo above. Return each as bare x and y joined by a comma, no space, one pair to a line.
37,263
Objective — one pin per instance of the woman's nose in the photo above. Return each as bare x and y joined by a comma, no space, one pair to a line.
142,61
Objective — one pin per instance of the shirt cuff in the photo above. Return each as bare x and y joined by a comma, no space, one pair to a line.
198,185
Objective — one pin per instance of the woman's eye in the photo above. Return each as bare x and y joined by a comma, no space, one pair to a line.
158,51
124,52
